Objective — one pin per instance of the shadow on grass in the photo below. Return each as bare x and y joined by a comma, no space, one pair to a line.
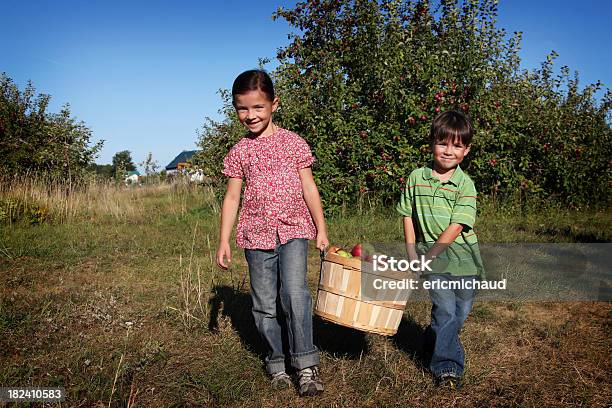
573,234
339,341
415,341
235,304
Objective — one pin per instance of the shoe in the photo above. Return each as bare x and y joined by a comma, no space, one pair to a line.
309,382
451,381
280,380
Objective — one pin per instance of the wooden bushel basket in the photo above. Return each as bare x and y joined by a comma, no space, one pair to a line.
340,300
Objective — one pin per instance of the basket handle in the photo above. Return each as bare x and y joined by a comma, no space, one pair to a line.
323,254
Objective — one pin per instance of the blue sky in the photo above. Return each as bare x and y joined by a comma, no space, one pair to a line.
143,75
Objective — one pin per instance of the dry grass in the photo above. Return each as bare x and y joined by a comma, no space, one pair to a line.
66,203
129,310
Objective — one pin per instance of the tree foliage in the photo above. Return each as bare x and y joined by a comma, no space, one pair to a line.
363,79
104,171
122,162
34,140
149,165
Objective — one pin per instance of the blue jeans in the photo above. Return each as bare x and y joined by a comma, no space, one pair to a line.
281,274
448,313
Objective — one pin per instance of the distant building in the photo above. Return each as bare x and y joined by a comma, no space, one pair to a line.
132,177
180,162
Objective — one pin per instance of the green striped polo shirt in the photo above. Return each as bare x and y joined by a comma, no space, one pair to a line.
433,205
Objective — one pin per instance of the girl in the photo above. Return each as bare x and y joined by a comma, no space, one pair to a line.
281,211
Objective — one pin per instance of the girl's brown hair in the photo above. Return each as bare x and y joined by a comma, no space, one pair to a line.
253,80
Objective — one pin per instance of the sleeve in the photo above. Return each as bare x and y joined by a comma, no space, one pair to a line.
231,164
404,206
464,211
303,155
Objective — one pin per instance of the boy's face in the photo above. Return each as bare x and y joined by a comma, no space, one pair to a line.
447,154
255,110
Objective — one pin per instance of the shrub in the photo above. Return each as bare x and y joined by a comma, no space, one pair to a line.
34,140
363,79
18,210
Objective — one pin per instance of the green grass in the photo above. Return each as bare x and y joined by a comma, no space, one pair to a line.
93,297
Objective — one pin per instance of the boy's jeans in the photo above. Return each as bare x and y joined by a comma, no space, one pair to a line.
281,273
448,313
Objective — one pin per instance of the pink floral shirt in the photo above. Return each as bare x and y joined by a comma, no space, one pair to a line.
273,203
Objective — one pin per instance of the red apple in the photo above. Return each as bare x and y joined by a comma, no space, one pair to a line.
356,251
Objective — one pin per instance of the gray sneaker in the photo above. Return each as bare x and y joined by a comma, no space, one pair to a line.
309,382
280,380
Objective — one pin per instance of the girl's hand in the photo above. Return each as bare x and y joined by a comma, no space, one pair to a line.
322,241
223,252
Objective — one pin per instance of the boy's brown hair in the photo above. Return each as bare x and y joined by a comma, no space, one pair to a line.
454,125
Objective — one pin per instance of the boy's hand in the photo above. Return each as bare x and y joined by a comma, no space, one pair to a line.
223,252
322,241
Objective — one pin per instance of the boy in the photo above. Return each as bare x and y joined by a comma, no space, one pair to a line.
439,209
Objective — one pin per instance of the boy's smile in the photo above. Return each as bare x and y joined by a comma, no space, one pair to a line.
447,154
255,110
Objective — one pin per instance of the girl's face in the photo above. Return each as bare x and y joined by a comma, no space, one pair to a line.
255,110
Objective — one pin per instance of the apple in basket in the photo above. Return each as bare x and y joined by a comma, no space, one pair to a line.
333,249
344,254
363,251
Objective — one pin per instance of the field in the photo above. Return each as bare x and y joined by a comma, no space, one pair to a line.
116,298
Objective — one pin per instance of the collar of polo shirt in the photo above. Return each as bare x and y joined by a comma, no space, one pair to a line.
455,178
